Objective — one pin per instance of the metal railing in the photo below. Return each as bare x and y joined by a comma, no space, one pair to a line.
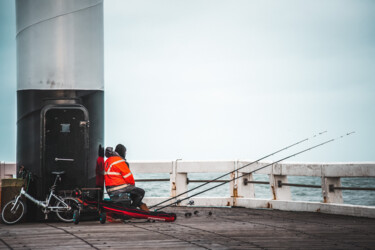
242,190
330,174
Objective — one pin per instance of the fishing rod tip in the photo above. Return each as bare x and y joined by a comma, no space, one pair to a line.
350,133
323,132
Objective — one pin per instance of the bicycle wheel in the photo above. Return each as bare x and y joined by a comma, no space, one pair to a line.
12,213
64,214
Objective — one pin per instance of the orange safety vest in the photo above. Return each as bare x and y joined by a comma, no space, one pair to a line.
117,172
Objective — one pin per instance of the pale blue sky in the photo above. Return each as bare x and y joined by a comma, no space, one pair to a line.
209,80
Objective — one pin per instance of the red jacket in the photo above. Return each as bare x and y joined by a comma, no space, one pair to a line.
100,171
117,172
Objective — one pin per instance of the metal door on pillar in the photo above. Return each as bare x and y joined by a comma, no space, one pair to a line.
65,144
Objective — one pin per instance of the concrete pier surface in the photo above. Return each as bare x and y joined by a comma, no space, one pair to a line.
200,228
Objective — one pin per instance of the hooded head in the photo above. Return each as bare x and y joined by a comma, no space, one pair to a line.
109,152
121,150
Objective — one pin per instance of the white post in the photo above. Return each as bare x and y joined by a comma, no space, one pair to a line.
330,195
232,190
181,187
279,192
172,179
246,189
233,185
178,183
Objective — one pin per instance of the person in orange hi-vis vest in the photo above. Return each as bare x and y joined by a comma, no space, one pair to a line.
119,179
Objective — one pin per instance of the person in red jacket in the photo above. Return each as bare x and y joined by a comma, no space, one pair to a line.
99,169
119,179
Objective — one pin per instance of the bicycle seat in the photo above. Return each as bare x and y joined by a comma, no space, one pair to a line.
58,173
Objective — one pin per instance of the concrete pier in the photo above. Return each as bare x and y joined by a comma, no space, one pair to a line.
208,228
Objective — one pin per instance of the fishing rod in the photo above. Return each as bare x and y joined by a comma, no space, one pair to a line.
290,156
278,151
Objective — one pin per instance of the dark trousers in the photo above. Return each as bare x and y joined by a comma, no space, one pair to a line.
100,192
136,195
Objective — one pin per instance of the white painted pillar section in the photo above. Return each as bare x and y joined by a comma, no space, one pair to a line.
282,192
245,189
60,45
233,190
235,183
272,186
181,187
172,179
233,186
178,183
331,195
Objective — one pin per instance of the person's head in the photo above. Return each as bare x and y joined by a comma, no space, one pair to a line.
121,150
101,151
108,152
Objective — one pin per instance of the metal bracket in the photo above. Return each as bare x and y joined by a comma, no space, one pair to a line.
279,183
245,181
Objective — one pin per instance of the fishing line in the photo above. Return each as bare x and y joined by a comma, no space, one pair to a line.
278,151
290,156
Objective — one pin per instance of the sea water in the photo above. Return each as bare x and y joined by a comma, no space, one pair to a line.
162,189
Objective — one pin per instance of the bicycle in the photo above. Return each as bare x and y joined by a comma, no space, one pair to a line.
66,208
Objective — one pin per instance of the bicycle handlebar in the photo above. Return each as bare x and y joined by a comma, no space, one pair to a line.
25,173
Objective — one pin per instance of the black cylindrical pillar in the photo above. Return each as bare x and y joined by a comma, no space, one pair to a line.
60,90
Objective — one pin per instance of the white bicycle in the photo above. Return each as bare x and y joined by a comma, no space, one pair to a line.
66,208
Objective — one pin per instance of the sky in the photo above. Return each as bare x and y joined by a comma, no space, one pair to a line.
226,80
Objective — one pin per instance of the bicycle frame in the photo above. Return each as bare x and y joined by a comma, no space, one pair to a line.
42,203
67,209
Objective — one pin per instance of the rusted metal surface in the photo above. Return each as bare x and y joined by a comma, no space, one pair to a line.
273,192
